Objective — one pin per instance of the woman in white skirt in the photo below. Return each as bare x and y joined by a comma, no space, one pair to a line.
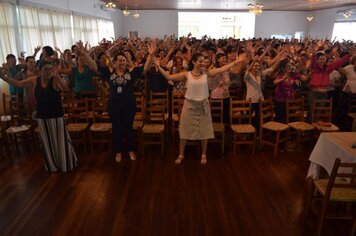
57,147
195,120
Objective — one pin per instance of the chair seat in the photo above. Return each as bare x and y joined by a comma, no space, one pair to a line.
301,125
337,194
175,117
153,128
218,127
17,129
77,127
325,126
101,127
137,124
243,128
275,126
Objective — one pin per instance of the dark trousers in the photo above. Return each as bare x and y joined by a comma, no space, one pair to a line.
226,111
255,109
122,118
280,111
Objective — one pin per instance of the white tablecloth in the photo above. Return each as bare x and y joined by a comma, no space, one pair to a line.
329,147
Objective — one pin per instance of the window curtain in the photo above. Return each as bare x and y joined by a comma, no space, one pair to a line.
44,27
106,29
8,39
86,29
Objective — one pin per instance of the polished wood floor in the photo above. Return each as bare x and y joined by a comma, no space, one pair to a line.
245,194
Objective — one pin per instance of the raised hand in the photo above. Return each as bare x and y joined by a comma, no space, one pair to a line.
37,49
152,48
157,61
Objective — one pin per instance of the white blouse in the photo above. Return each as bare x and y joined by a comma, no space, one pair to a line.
197,88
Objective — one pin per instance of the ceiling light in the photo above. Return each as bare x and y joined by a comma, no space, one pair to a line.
310,17
126,12
110,5
347,14
136,15
255,8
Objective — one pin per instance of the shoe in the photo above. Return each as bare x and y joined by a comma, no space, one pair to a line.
203,160
118,157
132,156
179,159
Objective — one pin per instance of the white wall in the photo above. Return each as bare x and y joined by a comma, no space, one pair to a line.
152,23
323,22
280,22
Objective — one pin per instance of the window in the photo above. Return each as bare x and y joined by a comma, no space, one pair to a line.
216,24
345,31
8,42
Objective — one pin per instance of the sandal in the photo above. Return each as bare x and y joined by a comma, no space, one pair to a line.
132,156
179,159
118,157
203,160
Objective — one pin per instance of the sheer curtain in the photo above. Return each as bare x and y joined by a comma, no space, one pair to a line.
86,29
8,39
44,27
106,29
62,28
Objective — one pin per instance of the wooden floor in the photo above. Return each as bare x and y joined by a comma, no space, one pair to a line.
245,194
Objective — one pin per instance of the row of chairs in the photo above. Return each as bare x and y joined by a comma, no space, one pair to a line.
158,114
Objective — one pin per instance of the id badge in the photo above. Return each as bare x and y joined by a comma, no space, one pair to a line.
119,89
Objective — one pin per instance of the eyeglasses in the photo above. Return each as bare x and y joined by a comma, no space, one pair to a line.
48,68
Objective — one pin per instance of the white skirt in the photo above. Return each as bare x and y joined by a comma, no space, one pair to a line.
59,153
195,121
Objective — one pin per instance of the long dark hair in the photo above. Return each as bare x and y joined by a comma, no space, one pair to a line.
194,59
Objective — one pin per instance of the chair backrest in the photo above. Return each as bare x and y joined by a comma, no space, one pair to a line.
162,96
78,110
140,108
100,111
20,111
155,111
266,111
217,110
322,110
240,111
6,102
294,110
341,170
177,104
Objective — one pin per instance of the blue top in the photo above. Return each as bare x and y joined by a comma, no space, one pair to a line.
14,71
84,80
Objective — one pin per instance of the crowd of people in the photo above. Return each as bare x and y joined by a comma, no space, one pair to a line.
197,69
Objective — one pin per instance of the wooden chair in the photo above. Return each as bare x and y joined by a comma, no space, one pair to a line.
351,110
162,96
217,109
78,121
154,127
177,105
240,121
20,129
295,120
322,114
100,132
271,133
139,117
339,187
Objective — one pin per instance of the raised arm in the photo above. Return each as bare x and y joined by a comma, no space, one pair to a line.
90,61
216,71
26,83
151,50
175,77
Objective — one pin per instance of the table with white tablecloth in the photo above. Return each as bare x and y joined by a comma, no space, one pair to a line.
329,147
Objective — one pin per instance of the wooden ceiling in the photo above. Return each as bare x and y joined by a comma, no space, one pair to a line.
235,5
